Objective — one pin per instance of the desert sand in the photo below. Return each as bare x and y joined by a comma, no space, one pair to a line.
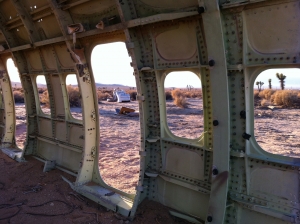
276,131
29,196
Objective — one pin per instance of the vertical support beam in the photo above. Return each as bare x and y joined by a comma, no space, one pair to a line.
85,174
27,21
9,105
220,98
130,49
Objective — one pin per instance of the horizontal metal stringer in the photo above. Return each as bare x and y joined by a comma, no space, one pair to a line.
49,165
111,28
104,197
60,144
265,209
184,184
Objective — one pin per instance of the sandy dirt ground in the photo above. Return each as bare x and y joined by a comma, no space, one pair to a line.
276,131
29,196
187,122
119,146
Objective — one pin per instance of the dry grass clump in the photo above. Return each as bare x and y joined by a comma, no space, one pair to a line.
74,96
44,99
286,98
179,98
18,96
266,94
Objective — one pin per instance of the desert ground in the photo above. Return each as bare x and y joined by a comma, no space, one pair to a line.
29,196
276,131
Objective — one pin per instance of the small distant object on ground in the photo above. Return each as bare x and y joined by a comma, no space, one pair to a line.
124,110
127,111
119,96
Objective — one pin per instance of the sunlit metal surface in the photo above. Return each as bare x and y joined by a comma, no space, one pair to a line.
230,178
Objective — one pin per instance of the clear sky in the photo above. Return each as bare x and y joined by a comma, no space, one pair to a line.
182,79
111,65
292,80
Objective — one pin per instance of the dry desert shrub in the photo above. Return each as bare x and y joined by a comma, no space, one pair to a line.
256,94
103,95
44,98
168,95
285,98
266,94
74,96
264,102
132,94
18,96
42,90
179,98
195,93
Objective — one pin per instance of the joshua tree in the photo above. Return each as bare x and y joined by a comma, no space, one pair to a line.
259,85
270,84
189,87
281,78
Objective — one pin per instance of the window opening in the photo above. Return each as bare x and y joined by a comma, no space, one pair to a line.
74,96
119,132
43,94
18,93
276,111
184,104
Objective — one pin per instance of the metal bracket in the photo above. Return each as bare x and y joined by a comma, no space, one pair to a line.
140,98
152,139
139,188
129,45
49,165
142,153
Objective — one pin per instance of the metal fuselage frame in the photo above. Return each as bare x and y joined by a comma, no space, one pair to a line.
220,177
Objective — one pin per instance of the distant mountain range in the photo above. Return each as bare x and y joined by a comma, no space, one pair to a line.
98,85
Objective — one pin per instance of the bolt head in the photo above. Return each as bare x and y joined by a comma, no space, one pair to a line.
209,219
201,10
211,63
215,172
215,123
